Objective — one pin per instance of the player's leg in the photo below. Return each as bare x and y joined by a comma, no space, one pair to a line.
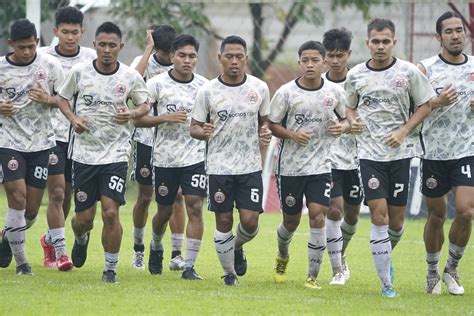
177,224
68,187
333,222
353,196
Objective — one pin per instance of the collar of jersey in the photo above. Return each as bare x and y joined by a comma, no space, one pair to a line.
450,63
11,62
56,49
160,63
103,73
308,89
180,81
381,69
232,84
335,81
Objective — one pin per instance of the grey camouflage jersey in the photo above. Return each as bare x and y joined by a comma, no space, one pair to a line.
59,121
153,68
297,109
344,148
174,147
234,109
97,98
385,99
29,129
448,131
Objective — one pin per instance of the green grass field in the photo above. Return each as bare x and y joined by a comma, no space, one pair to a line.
81,291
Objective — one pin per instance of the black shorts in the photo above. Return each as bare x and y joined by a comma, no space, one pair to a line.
439,176
31,166
90,182
142,167
316,189
246,190
346,183
386,180
58,161
191,179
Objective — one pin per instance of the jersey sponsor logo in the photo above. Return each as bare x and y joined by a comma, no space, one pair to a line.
431,183
88,99
53,159
252,97
145,172
398,82
219,197
163,190
81,196
224,115
460,92
290,201
40,75
171,108
373,183
367,100
13,164
302,118
120,88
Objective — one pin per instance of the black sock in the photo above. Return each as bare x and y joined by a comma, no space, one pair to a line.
175,254
139,248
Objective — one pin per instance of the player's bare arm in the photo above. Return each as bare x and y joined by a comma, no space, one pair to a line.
300,137
150,44
202,131
7,109
447,96
264,133
124,114
179,117
354,120
78,123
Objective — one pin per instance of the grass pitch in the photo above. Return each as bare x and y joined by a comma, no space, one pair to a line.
82,292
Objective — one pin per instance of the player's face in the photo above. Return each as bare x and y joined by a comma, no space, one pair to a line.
68,36
184,60
337,59
311,64
107,46
233,60
380,44
452,36
24,51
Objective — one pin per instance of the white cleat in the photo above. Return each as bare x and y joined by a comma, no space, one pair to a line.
338,279
177,264
138,260
345,269
451,279
433,284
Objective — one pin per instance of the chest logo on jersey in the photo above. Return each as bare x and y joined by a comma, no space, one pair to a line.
471,76
11,92
329,101
301,118
120,88
224,114
252,97
88,99
398,82
40,75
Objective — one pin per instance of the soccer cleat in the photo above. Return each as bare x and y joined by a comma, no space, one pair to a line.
392,272
79,252
176,263
49,253
280,269
191,274
230,279
155,261
5,251
109,276
138,260
389,292
433,283
240,262
451,279
312,283
24,269
345,269
338,279
64,264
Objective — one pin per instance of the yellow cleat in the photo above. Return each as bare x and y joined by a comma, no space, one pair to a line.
280,269
312,283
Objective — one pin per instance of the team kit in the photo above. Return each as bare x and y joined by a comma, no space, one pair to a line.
72,117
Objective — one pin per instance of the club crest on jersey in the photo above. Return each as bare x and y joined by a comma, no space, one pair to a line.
145,172
373,183
399,82
40,75
329,101
471,76
81,196
121,88
13,164
163,190
290,201
219,197
252,97
431,183
53,159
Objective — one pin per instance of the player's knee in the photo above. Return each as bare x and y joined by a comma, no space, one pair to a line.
85,223
56,195
250,225
144,199
17,199
110,216
436,218
334,213
379,218
465,212
317,220
291,224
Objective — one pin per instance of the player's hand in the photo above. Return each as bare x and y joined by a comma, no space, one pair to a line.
177,117
301,137
265,135
37,94
7,109
80,125
395,138
208,129
150,43
123,115
357,126
334,128
448,96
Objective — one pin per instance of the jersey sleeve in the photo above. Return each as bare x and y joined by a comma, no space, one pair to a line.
154,90
265,105
420,88
69,87
340,108
139,93
278,107
352,97
57,77
201,107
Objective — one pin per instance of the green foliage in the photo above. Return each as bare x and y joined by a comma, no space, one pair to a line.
362,5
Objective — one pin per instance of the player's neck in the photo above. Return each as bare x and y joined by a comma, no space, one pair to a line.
67,52
163,59
310,84
13,58
105,68
337,76
381,64
459,59
181,77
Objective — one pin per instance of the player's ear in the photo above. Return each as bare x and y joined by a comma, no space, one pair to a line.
55,31
395,40
93,43
122,44
219,56
349,53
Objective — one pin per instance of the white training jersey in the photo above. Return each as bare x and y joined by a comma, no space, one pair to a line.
29,129
174,147
234,109
448,131
97,97
385,99
59,121
299,109
344,148
154,67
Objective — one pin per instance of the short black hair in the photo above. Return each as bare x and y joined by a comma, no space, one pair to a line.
380,25
22,29
337,39
69,15
183,40
163,35
447,15
313,45
233,39
108,27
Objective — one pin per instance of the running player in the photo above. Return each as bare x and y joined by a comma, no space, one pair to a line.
392,98
26,135
178,159
68,29
149,65
448,162
346,193
230,114
100,145
304,115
